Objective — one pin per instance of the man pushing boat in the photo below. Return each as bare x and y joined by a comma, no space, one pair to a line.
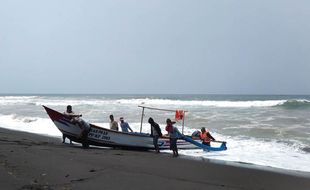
76,119
206,137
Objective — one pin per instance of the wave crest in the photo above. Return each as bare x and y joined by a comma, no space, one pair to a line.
207,103
38,101
296,104
29,124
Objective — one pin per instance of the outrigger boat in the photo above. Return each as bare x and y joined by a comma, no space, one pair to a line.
100,136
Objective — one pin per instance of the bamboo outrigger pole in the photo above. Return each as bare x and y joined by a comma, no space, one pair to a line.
159,109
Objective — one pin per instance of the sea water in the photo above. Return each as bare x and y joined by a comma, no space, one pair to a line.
269,131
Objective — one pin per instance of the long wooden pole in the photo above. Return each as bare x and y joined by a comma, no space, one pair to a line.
158,109
151,108
142,119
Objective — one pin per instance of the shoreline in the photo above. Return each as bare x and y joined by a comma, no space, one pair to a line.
30,161
297,173
199,159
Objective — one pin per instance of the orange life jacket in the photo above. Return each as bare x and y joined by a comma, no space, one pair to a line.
204,137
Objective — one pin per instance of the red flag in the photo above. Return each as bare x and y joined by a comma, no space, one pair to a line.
179,114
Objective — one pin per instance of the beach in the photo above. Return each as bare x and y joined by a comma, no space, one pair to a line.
231,76
30,161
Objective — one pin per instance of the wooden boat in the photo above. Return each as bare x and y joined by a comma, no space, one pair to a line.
100,136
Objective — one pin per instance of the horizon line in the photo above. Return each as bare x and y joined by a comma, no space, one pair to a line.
210,94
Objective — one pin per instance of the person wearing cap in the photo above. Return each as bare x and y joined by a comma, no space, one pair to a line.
113,124
206,137
173,133
124,125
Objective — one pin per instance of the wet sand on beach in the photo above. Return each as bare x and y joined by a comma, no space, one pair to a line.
29,161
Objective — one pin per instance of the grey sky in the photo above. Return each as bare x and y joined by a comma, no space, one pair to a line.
145,46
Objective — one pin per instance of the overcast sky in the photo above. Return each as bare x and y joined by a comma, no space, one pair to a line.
162,46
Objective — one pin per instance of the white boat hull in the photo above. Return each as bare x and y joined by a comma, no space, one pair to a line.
100,136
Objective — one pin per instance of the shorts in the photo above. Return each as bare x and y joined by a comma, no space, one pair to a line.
173,144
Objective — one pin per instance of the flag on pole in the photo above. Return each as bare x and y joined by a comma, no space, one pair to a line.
179,114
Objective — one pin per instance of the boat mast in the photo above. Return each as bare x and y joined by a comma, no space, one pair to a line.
141,119
183,122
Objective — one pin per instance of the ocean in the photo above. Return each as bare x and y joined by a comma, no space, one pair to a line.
263,130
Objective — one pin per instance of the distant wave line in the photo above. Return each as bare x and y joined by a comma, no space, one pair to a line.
38,101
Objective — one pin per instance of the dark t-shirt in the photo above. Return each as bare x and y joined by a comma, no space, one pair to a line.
157,129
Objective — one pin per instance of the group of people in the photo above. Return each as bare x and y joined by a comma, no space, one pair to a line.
124,125
76,119
174,134
156,133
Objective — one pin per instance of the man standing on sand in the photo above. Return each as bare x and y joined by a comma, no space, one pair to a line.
173,133
155,133
113,124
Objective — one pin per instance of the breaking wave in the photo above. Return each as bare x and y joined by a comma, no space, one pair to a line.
41,100
29,124
208,103
240,149
296,104
289,104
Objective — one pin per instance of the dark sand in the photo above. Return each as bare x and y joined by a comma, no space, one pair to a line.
29,161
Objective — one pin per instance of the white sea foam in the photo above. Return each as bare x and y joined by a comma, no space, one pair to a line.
287,153
246,150
13,100
163,102
169,102
253,151
238,104
59,101
29,124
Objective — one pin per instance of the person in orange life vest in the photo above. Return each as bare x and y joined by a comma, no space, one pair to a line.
206,137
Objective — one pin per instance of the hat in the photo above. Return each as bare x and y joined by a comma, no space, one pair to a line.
169,121
121,118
